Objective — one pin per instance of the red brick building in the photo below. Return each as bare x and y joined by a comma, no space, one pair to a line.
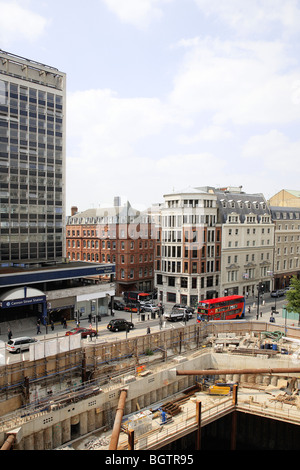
118,234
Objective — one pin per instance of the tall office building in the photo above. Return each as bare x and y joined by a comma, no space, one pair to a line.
32,161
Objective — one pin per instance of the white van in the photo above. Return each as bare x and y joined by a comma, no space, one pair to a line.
19,344
178,314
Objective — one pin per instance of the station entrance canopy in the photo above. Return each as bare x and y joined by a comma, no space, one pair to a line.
22,302
20,287
21,297
18,276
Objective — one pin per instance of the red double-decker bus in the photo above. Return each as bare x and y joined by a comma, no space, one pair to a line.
231,307
133,300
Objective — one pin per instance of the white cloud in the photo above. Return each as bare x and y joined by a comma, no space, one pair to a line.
19,23
274,151
255,16
107,125
240,82
139,13
207,134
139,178
106,132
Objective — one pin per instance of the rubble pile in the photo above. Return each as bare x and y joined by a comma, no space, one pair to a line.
97,443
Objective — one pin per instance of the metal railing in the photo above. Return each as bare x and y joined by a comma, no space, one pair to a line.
182,424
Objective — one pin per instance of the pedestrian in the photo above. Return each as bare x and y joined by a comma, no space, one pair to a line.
38,328
52,325
148,330
9,334
64,323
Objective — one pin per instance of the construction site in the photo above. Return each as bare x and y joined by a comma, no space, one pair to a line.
179,389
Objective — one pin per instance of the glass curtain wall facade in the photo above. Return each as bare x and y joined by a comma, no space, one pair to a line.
32,161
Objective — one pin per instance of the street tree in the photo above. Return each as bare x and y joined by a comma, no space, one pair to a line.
293,297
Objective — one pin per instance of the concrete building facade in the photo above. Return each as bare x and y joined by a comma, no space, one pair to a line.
188,250
213,242
35,280
247,241
286,244
32,161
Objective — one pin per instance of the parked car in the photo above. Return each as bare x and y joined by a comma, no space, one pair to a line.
84,332
189,309
19,344
120,324
278,293
148,307
117,305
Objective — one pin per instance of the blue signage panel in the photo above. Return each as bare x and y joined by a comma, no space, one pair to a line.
48,275
22,302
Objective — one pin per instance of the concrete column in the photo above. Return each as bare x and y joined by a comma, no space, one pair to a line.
134,406
191,380
91,420
244,378
66,430
175,385
39,440
83,418
259,379
98,418
48,439
57,435
251,378
126,409
146,399
266,380
29,442
274,380
153,396
181,385
19,445
141,401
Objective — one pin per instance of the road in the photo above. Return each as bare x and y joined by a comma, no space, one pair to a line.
140,327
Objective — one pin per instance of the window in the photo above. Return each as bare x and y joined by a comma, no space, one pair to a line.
183,282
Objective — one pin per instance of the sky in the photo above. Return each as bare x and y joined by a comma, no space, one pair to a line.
163,95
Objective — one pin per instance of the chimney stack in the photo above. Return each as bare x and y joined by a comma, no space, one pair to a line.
117,201
74,210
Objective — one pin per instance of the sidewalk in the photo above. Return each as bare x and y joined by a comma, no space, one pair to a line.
27,327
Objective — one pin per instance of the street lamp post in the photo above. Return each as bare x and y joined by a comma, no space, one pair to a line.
259,291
